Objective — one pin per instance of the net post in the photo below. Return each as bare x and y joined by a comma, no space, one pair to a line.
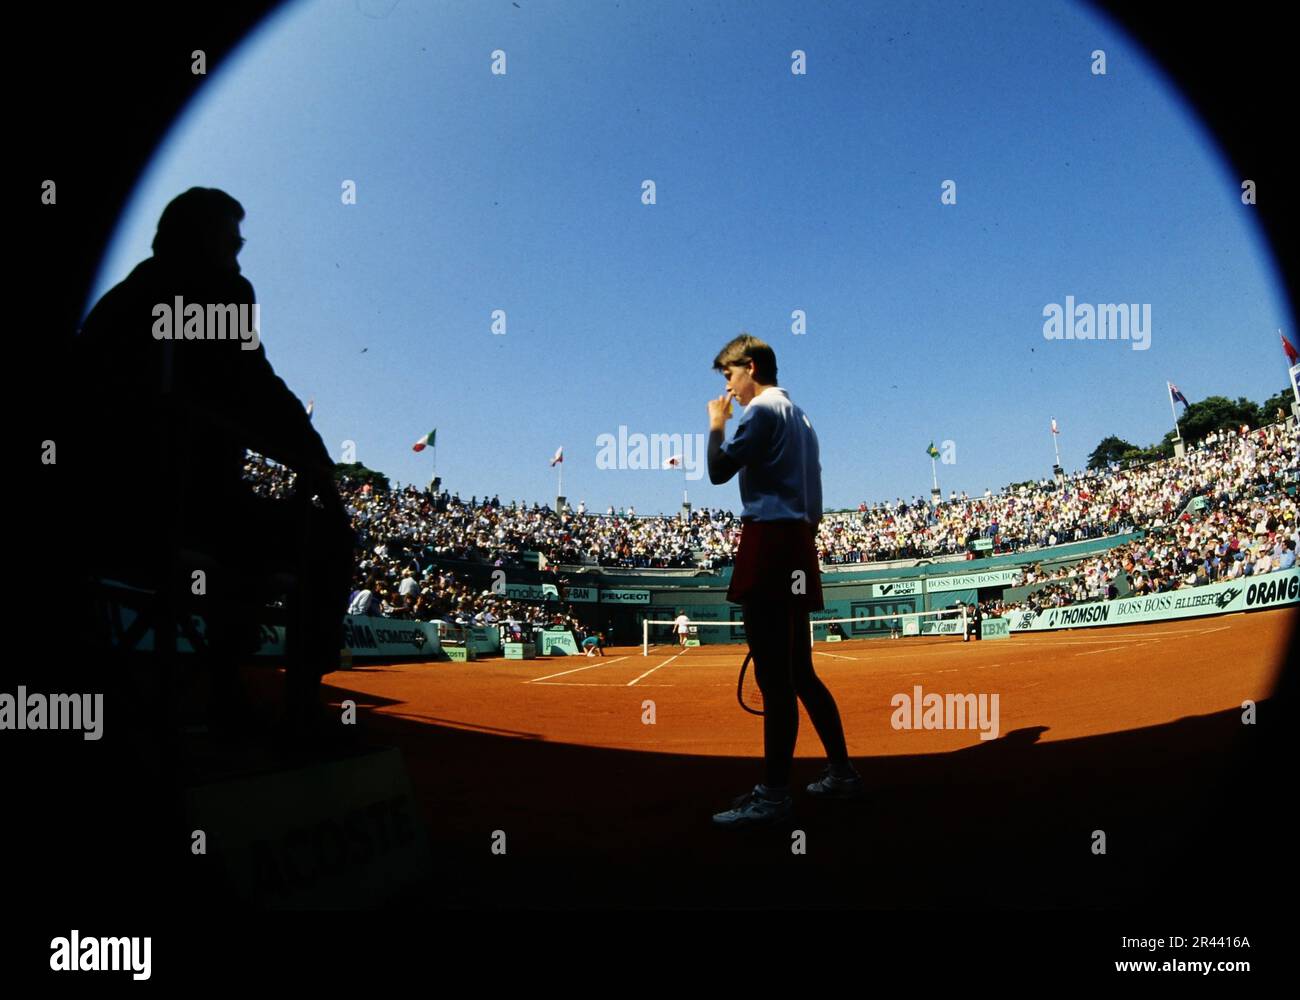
812,634
645,636
965,626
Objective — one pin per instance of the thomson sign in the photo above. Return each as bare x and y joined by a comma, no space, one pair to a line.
1085,614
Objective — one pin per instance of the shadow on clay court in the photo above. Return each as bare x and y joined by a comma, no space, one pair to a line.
1004,824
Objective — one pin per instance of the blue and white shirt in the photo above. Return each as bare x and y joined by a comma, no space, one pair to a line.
775,449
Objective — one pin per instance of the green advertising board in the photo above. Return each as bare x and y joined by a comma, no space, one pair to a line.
995,628
557,643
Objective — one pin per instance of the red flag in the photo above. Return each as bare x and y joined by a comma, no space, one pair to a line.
1292,355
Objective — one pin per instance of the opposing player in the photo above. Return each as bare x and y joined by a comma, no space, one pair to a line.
683,626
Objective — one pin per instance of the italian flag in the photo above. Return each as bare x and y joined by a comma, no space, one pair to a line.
426,441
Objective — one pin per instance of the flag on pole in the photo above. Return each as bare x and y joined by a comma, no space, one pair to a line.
1177,396
311,405
672,463
1054,430
559,456
932,451
426,441
1292,352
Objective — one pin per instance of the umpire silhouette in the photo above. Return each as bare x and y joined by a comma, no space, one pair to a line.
188,475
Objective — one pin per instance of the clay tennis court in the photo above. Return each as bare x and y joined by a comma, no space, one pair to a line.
1132,730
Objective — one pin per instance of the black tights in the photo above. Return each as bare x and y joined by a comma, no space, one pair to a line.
783,668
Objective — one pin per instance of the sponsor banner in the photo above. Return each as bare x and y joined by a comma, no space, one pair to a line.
523,591
125,631
541,591
614,595
362,635
906,588
1248,594
557,643
941,628
371,636
344,833
972,581
1274,588
483,638
995,628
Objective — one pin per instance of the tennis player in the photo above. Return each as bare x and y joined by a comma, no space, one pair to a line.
683,627
776,577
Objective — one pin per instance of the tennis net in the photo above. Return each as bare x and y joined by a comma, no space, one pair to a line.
940,624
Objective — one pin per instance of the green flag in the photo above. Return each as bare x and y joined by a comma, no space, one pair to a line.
932,451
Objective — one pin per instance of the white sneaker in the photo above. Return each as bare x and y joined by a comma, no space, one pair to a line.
755,809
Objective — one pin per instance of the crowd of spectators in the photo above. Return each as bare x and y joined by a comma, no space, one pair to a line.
406,533
1248,528
437,595
1048,513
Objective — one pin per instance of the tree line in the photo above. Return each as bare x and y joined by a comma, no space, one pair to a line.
1197,421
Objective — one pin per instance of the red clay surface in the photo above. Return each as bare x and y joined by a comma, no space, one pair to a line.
1081,682
1134,730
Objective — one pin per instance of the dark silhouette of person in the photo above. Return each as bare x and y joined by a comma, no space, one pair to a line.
186,463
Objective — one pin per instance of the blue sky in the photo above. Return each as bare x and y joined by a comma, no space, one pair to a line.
775,192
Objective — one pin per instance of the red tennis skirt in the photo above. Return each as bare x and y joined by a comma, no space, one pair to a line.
769,555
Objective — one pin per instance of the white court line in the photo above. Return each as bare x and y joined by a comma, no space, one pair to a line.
1110,650
1128,638
1104,642
579,684
653,669
838,656
576,669
1122,638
